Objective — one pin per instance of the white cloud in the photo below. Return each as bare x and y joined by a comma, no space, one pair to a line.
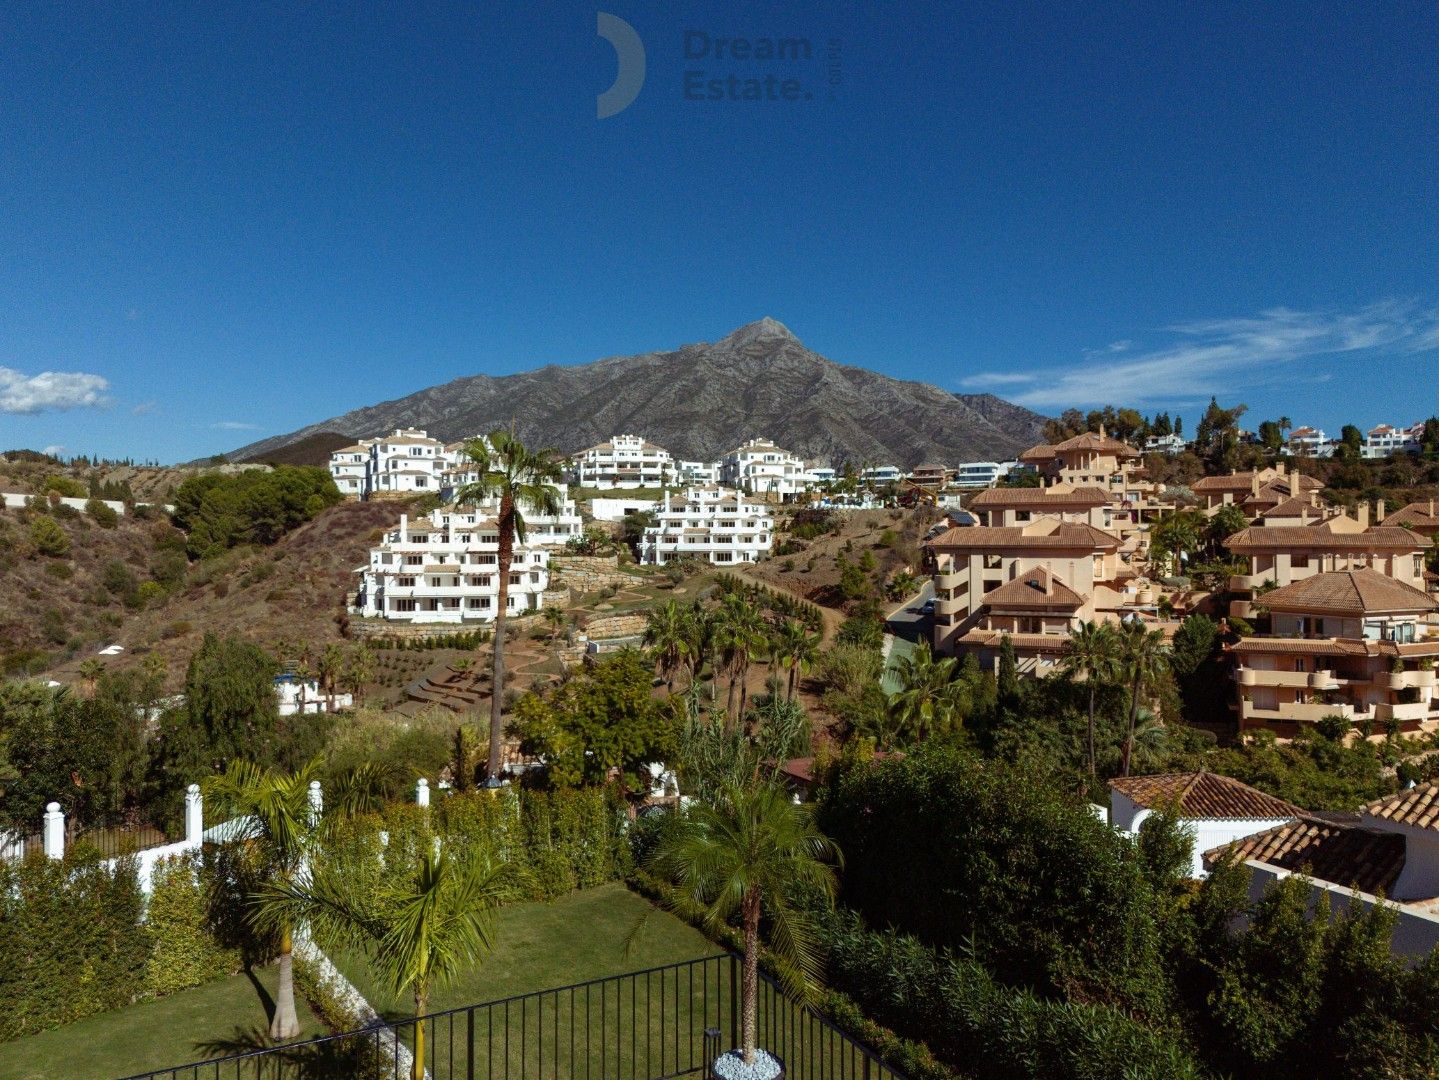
234,425
998,378
53,451
1223,356
21,393
143,408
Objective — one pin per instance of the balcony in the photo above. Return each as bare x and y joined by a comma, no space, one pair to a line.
1246,582
949,582
1299,680
1417,710
951,606
1293,712
1242,609
1405,680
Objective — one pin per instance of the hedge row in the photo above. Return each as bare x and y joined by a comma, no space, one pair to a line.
974,1023
775,600
75,939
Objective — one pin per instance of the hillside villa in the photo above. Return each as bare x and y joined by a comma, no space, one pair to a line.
625,461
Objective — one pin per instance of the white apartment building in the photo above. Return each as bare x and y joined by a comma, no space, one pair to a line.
982,474
1165,444
1310,441
759,467
626,461
350,469
698,473
882,474
407,462
714,524
445,570
541,530
1386,440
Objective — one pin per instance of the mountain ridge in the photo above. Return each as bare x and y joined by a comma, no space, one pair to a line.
703,399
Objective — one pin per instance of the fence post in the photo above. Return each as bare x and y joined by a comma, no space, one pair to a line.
54,831
422,792
317,802
194,816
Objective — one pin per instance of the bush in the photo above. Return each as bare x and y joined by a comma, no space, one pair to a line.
101,514
185,952
72,943
48,537
220,511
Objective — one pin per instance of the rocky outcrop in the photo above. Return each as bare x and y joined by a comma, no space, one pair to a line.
701,400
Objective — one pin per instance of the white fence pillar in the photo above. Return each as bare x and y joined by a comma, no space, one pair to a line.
194,816
54,831
422,792
317,802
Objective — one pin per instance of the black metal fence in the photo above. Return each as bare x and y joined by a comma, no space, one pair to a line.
114,840
659,1024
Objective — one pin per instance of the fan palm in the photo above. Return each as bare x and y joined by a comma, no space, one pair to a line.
523,480
1091,652
419,928
276,815
797,648
748,855
667,635
1143,657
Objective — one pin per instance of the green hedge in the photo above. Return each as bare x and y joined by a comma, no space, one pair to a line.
185,952
72,942
972,1022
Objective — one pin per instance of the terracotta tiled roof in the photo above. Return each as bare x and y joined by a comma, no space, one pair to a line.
1418,806
1323,538
1301,646
1294,507
1099,443
1420,517
1048,534
1348,592
1036,589
1244,481
1035,642
1042,452
1037,497
1343,855
1205,795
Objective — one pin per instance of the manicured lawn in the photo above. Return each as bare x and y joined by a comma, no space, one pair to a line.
539,946
219,1018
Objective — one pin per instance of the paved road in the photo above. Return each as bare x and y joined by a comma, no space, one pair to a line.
906,622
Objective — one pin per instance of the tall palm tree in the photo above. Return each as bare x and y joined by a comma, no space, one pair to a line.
699,640
798,648
1143,657
524,481
667,635
1091,652
750,854
419,928
276,815
739,633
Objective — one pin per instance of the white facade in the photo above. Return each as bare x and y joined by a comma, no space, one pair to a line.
1310,441
626,461
1165,444
304,696
702,473
714,524
759,467
1386,440
445,570
407,462
982,474
882,474
1127,816
541,530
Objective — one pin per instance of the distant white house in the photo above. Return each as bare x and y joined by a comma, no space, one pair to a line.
982,474
625,461
1311,442
304,696
703,473
882,474
1165,444
1216,809
717,525
1386,440
407,462
759,467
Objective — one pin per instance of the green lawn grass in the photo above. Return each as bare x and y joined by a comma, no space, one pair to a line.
219,1018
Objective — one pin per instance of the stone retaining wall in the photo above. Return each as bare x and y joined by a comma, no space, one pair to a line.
588,573
367,629
615,626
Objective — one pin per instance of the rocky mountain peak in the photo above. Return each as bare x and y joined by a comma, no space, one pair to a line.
765,330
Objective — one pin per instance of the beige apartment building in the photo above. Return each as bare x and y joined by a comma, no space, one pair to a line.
1256,491
1033,582
1351,643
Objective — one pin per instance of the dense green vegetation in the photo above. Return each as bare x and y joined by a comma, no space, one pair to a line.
221,510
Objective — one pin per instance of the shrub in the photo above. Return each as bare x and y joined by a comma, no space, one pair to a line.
101,514
185,952
48,537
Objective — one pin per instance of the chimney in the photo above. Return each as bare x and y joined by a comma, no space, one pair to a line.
1363,513
1254,482
1431,507
1281,468
1101,431
1379,513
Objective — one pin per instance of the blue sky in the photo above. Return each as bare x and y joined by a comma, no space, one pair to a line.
226,221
